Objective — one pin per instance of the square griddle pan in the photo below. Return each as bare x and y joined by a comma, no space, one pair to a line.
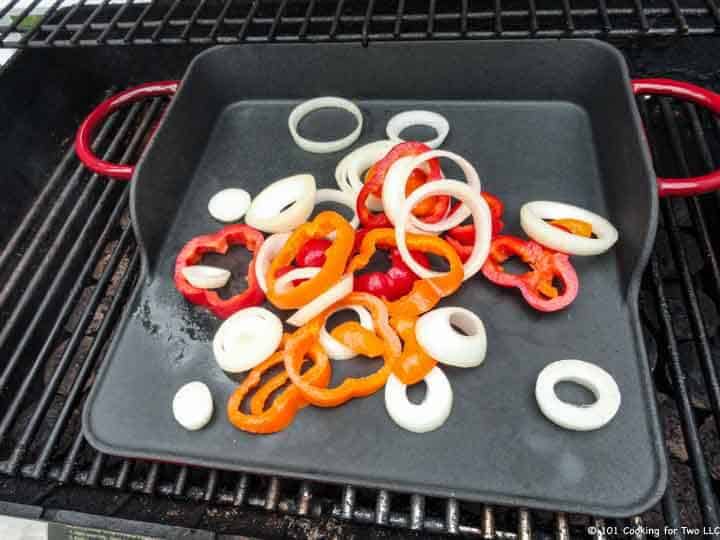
541,120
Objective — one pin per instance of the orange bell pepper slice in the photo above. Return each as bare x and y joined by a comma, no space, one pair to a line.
358,338
303,339
414,363
426,293
284,408
574,226
336,257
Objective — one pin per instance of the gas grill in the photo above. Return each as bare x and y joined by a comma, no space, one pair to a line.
69,261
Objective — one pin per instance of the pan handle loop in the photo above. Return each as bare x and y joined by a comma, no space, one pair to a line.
689,92
84,136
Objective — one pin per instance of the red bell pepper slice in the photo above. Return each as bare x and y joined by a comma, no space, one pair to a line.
465,234
374,181
219,242
536,285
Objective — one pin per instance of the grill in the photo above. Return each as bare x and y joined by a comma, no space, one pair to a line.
69,262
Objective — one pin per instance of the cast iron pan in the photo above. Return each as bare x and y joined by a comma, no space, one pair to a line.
541,120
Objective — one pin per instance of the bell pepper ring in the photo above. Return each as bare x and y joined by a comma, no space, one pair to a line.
425,293
357,338
414,363
336,257
376,176
284,408
396,281
304,338
536,285
575,226
219,242
465,234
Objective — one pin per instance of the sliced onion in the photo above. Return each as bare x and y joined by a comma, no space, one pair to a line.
569,415
435,334
229,205
285,281
340,197
327,102
267,252
206,277
246,339
533,214
397,178
333,348
404,120
481,219
192,406
266,211
319,304
349,171
423,417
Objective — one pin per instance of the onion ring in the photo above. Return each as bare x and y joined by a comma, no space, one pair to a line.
426,416
404,120
305,272
266,211
333,348
246,339
333,295
192,405
481,218
435,333
340,197
327,102
269,248
206,277
577,417
229,204
533,214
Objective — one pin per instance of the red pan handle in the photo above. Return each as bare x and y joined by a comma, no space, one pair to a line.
84,136
689,92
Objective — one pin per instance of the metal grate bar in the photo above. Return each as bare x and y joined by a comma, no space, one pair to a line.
193,18
166,18
306,20
431,18
86,24
93,354
248,20
701,343
399,18
304,498
6,9
21,268
680,20
102,38
336,18
220,20
365,35
640,11
68,16
604,16
277,20
26,298
19,18
135,26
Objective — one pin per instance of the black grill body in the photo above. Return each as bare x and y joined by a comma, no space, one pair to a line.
69,261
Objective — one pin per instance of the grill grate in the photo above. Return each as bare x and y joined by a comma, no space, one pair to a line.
74,260
73,22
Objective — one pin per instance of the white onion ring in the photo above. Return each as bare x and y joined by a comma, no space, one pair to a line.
404,120
340,197
327,102
533,214
481,218
577,417
320,303
266,211
458,216
229,204
284,282
192,405
333,348
206,277
246,339
350,169
426,416
268,250
437,337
